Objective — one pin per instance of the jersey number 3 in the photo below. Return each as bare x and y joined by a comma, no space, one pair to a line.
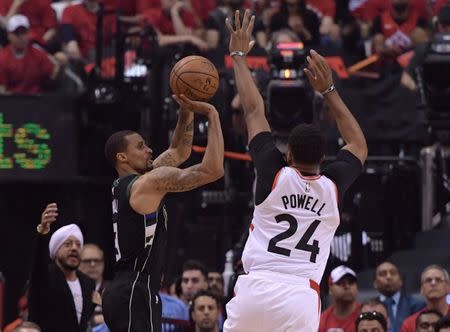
302,244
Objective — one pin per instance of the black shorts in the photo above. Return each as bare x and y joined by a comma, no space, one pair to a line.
130,306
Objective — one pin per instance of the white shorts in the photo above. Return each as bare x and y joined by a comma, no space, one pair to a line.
267,302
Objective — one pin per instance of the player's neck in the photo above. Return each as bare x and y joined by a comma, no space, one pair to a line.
214,329
310,169
344,309
124,171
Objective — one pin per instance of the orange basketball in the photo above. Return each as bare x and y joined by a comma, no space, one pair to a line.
196,77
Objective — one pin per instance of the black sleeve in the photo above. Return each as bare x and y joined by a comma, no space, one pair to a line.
423,23
67,33
376,26
418,59
259,25
268,160
211,23
344,171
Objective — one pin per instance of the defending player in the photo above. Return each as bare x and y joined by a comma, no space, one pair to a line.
131,302
296,212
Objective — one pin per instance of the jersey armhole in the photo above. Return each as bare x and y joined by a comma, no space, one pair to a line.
129,186
275,180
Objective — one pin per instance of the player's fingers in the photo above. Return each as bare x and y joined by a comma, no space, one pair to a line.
178,100
245,20
237,20
185,99
313,67
309,74
250,46
251,25
320,61
229,27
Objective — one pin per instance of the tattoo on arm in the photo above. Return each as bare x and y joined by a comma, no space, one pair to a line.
188,134
175,181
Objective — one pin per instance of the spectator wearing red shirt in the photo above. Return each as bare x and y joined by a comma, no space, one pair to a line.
23,67
399,29
79,28
199,8
40,14
174,24
341,316
434,287
367,10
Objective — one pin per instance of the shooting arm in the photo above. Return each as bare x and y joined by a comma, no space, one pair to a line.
181,146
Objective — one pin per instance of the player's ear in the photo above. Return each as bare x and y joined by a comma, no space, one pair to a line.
122,157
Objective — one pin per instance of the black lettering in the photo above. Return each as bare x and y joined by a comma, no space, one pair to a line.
315,203
285,200
318,212
301,200
308,201
293,201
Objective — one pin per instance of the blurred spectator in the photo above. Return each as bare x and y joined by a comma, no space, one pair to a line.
434,287
426,320
370,322
367,10
326,10
438,5
420,52
27,327
173,307
174,24
399,29
344,309
79,27
93,265
60,295
193,279
388,282
294,15
40,14
443,324
215,283
378,306
205,310
22,305
24,68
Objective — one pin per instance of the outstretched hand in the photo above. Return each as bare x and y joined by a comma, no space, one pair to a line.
49,215
241,37
318,72
189,105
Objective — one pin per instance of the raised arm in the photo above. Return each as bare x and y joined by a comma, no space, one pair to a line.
150,188
181,146
252,102
320,77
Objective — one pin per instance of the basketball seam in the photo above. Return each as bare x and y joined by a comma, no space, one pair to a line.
184,64
178,77
199,72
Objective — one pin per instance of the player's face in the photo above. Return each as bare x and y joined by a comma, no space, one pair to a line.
370,326
434,285
215,282
345,290
191,282
205,313
92,263
138,155
387,279
427,322
68,255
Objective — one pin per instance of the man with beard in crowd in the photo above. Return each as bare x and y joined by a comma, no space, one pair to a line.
60,295
205,311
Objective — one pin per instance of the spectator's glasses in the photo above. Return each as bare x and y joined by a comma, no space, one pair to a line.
372,315
430,280
92,261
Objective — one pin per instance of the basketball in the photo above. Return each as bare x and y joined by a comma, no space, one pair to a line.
195,77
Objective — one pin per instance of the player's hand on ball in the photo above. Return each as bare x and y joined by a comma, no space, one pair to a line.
241,37
318,72
198,107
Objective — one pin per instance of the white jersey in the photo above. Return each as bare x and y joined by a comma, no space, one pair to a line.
292,229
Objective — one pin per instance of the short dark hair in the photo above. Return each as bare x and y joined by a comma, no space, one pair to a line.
443,322
306,144
195,265
374,301
203,292
426,312
27,325
372,315
116,143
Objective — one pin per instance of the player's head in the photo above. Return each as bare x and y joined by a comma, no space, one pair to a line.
215,282
193,279
343,285
205,310
444,19
443,324
371,322
126,150
387,279
65,247
27,327
92,261
375,305
18,27
426,320
305,145
434,283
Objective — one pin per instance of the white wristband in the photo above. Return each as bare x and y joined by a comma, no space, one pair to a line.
237,53
330,89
